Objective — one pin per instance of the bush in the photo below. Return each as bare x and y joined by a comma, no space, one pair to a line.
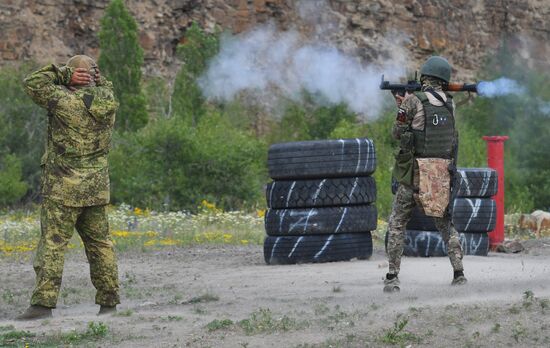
170,165
22,130
121,60
12,188
197,49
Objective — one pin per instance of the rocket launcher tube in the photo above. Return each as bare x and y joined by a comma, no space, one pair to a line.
461,87
413,86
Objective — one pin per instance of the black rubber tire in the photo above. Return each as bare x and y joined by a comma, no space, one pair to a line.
321,159
331,220
464,219
317,248
420,221
474,214
472,182
321,192
430,243
477,182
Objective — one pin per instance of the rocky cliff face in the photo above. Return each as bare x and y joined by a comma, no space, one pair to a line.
465,31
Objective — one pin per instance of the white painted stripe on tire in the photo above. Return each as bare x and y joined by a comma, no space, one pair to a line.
295,245
273,250
290,192
475,210
358,154
324,246
341,219
318,190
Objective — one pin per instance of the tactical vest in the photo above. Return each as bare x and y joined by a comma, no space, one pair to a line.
438,137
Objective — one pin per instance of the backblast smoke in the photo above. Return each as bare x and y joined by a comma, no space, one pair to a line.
504,86
500,87
266,61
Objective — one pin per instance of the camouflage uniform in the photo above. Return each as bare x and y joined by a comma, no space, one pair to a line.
411,114
75,181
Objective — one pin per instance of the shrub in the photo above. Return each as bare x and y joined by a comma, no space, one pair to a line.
171,165
22,130
195,51
121,60
12,188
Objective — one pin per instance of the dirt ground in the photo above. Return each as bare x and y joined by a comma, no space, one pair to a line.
225,296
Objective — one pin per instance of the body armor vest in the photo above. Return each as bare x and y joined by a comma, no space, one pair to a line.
439,136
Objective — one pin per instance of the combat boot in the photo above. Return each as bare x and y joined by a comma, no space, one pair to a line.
35,312
391,283
459,278
104,310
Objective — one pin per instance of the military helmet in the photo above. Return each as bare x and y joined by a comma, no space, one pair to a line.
437,66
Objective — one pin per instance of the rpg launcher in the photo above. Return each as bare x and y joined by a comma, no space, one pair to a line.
414,86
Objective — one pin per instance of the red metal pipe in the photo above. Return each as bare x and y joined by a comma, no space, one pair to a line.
495,160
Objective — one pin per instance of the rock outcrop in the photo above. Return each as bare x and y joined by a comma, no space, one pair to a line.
466,31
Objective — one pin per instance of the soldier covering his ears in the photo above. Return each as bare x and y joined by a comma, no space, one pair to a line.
75,179
425,128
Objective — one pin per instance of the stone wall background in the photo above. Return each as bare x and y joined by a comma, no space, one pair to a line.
465,31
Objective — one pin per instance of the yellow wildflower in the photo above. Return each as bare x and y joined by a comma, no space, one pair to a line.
209,206
150,243
120,233
151,234
168,241
260,213
244,242
227,237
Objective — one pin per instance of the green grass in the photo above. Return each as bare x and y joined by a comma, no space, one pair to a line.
518,332
125,313
219,324
172,318
397,336
204,298
263,321
14,338
143,230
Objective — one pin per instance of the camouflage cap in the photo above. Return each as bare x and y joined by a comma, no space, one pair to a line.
86,62
81,61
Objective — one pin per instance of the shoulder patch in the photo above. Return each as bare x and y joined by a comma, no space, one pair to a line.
401,115
88,99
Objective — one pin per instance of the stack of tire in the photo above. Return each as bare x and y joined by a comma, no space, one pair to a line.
320,202
474,215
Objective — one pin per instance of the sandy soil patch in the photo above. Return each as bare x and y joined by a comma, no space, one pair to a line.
225,296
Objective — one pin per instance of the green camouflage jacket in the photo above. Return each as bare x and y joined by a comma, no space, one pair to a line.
411,112
80,125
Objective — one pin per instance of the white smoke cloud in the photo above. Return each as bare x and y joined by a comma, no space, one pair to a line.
265,61
545,108
504,86
500,87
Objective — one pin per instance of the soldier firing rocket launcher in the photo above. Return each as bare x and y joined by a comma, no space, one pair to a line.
414,86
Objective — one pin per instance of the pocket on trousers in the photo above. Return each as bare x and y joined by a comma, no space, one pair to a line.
403,168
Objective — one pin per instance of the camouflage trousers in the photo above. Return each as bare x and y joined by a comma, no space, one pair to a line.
58,223
402,208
